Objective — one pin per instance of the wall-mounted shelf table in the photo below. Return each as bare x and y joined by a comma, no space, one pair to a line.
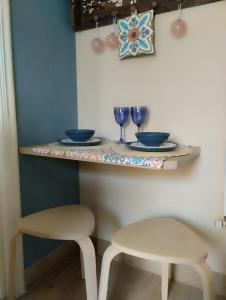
114,154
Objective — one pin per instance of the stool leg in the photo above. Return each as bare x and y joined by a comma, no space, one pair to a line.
166,274
82,265
12,263
89,259
109,254
207,279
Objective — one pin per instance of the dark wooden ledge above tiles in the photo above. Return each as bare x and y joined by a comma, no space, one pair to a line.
84,13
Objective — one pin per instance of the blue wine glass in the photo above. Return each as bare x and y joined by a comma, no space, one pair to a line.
121,117
138,114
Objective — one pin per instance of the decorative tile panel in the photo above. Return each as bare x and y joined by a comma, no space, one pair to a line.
136,35
106,155
114,154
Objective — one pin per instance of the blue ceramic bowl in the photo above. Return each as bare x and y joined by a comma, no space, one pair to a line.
153,139
80,135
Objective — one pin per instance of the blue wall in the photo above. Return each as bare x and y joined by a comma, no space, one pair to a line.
45,79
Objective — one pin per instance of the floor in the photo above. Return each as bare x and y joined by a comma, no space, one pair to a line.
126,283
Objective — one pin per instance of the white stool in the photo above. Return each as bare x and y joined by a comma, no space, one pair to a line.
70,222
160,239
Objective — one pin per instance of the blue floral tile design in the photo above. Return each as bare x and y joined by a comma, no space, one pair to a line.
136,35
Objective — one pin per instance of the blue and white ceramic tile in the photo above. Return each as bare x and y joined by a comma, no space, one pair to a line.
136,35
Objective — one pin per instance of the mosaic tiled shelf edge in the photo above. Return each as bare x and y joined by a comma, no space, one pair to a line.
106,154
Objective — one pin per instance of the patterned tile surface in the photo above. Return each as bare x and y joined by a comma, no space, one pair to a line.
136,35
104,155
111,153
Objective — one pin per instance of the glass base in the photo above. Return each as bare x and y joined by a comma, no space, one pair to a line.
120,142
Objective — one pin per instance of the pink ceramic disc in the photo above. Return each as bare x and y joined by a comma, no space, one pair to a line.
112,41
179,28
97,45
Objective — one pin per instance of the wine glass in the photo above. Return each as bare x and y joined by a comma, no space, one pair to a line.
121,117
138,114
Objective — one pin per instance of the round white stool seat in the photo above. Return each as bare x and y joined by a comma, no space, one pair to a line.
69,222
165,240
161,239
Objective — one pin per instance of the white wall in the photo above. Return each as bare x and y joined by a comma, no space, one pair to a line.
184,85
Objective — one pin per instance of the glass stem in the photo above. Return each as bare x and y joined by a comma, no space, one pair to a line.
121,139
138,128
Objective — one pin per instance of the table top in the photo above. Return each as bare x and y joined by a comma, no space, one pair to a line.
111,153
